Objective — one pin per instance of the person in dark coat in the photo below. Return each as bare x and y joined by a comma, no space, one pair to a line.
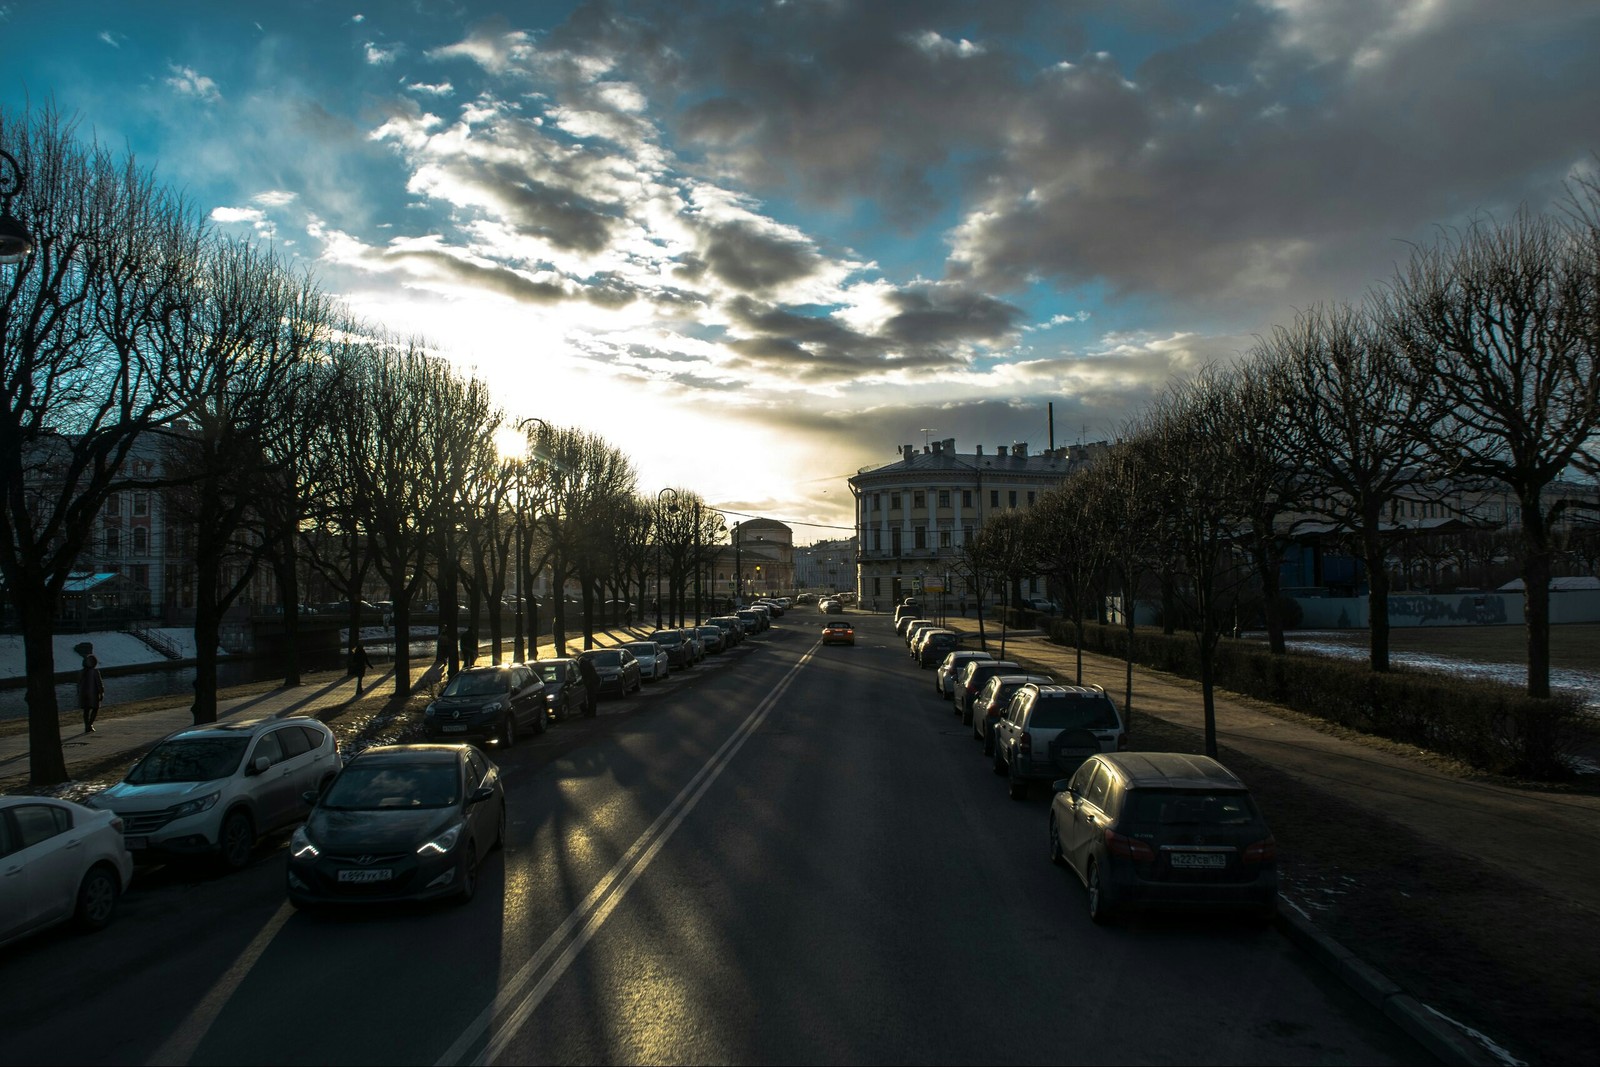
91,691
591,681
359,663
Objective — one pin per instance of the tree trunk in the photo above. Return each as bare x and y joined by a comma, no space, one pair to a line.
47,765
289,595
1377,599
1536,596
1208,696
207,631
1266,560
402,639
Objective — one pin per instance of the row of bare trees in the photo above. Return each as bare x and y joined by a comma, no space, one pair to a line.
144,351
1474,366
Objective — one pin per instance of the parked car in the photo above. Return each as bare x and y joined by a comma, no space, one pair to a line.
680,653
712,637
1163,829
838,632
697,644
915,629
944,676
992,701
731,626
901,612
935,645
652,660
753,621
618,670
59,861
564,692
215,790
766,614
488,704
1047,731
969,683
1042,605
831,606
905,622
403,822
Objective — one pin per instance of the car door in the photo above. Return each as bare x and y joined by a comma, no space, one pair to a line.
276,800
41,868
300,763
1010,725
476,768
1088,817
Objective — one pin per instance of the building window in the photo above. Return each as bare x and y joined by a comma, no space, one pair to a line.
113,541
877,501
141,541
894,501
1030,498
918,500
877,586
944,538
966,498
141,503
894,540
966,535
944,498
920,535
877,540
994,498
114,506
1013,498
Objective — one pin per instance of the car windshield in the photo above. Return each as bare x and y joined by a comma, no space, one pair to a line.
190,759
1074,713
552,672
641,648
667,638
393,785
608,658
1172,808
476,684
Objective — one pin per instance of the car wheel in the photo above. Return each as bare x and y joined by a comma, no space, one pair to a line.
467,874
508,729
541,720
1057,857
1100,907
97,899
237,840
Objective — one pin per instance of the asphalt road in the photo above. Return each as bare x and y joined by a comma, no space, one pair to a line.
788,854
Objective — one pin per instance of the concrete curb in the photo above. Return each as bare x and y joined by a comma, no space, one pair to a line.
1427,1027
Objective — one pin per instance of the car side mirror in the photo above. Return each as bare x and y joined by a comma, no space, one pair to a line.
260,765
480,794
1062,785
310,796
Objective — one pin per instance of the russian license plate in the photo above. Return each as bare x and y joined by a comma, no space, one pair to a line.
378,874
1206,860
134,844
455,727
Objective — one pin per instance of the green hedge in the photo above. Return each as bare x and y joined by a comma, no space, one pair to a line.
1492,727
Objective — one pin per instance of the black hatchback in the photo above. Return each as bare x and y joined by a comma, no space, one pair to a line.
1163,829
487,704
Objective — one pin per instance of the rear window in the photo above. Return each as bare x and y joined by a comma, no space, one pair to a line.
1165,807
1074,713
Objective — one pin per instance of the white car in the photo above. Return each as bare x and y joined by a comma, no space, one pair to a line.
58,861
944,679
652,659
214,790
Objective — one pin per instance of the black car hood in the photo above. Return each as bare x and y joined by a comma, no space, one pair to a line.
387,830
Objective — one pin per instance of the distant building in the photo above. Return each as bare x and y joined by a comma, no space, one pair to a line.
826,567
913,515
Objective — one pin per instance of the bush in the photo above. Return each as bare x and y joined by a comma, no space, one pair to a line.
1492,727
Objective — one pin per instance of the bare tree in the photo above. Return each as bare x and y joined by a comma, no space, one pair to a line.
1069,537
88,365
1501,320
1357,438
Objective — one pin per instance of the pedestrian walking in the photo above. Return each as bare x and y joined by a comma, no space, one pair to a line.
591,682
359,662
963,607
91,691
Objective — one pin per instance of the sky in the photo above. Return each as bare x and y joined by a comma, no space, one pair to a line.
760,245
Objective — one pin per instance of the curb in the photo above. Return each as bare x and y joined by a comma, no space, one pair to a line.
1427,1027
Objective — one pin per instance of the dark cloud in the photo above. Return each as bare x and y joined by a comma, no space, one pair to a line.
937,316
492,279
748,259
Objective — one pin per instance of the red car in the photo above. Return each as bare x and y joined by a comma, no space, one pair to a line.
838,632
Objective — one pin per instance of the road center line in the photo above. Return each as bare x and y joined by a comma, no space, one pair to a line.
575,931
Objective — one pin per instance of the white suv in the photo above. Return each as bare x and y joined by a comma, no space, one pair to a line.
1048,731
213,790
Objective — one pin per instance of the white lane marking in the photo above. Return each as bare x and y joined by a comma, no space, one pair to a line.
511,1006
181,1046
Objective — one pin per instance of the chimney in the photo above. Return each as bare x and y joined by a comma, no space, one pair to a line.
949,446
938,448
907,451
1020,451
1001,450
980,450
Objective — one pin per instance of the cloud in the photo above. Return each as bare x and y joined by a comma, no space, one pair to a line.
431,89
186,81
113,39
379,55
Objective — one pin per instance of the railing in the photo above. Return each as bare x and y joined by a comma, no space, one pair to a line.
156,641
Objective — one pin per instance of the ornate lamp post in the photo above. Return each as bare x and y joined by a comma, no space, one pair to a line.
660,537
16,243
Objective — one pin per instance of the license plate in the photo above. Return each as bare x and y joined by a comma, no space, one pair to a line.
1199,859
455,727
136,843
380,874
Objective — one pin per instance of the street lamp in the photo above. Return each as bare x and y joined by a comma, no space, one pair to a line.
660,537
15,241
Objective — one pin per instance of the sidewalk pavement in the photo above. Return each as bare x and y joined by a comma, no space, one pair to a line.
128,735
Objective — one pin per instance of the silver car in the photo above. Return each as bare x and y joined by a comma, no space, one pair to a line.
215,790
652,659
58,861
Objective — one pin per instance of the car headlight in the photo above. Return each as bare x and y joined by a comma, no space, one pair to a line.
195,806
551,698
301,846
443,843
429,711
493,705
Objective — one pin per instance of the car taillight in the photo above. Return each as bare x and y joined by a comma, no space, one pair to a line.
1025,743
1131,847
1263,851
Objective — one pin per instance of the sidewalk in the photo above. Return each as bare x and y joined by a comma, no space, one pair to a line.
124,737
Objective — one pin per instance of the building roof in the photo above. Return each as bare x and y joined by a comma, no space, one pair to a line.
941,457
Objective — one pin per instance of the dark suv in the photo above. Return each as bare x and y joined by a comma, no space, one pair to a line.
675,643
1161,828
487,703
